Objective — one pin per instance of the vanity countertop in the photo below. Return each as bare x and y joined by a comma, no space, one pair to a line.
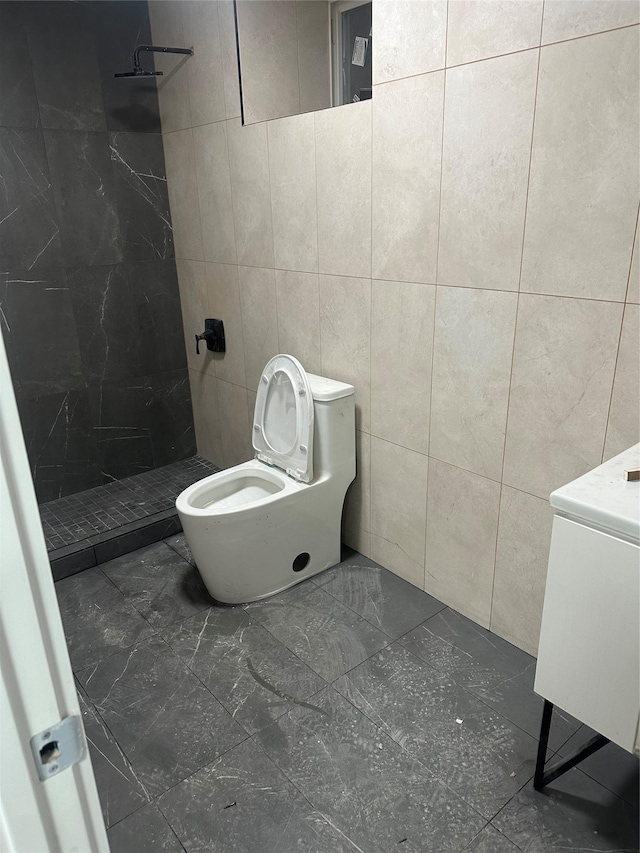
603,497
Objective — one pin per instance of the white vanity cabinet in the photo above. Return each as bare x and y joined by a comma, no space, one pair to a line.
588,660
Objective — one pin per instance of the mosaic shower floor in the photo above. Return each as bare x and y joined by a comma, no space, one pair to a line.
351,713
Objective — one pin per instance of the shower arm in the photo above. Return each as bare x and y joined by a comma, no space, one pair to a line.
156,49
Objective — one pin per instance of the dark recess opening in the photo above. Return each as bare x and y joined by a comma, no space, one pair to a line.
301,562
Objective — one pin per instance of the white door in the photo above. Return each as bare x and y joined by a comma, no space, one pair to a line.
62,813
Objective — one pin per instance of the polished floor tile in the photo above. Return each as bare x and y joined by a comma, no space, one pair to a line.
98,620
242,802
254,676
385,600
326,635
160,584
166,721
476,752
213,728
179,544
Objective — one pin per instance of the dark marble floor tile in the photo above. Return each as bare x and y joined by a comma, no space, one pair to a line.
166,722
119,789
65,67
327,636
39,329
613,767
154,287
159,583
29,232
84,190
98,621
367,785
242,802
141,191
255,677
63,454
479,754
171,417
18,105
379,596
489,667
491,841
574,813
145,831
128,105
180,546
108,335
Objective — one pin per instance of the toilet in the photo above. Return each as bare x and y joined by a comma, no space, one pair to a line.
265,525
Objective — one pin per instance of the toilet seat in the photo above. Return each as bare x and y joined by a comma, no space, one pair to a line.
283,418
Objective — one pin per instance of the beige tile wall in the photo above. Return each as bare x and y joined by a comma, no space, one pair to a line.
461,249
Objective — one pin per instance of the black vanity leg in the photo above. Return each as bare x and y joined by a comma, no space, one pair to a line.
545,726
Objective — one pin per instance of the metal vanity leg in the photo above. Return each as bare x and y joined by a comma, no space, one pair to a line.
540,778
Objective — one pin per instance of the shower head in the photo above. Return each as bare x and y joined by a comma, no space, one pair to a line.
139,73
138,70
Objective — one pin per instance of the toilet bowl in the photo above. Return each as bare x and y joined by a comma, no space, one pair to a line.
262,526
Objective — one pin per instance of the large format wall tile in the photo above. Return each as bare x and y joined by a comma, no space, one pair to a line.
37,318
85,194
478,30
401,350
268,59
487,142
249,164
214,191
183,194
19,105
410,38
141,194
633,288
623,428
398,515
224,304
29,232
345,332
563,365
583,194
462,524
299,317
129,105
194,299
568,19
235,427
471,370
343,160
407,147
173,87
154,286
357,508
524,536
206,417
204,68
65,67
229,58
292,166
260,318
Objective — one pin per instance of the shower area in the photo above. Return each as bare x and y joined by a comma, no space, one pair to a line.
89,301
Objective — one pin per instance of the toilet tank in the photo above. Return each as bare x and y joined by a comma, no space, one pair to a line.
334,436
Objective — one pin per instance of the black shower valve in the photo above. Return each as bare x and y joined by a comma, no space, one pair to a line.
214,336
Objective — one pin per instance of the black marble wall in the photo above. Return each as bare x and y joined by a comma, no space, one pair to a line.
89,303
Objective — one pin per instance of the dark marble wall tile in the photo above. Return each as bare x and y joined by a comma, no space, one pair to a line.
84,190
130,105
63,453
40,333
29,233
18,104
141,190
107,328
171,417
154,286
65,66
120,415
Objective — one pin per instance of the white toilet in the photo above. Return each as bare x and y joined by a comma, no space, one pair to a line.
267,524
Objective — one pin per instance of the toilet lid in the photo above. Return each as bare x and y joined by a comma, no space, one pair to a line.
283,418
